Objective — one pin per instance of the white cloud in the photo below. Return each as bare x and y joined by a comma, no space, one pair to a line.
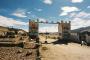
80,20
49,2
77,1
72,14
29,12
39,10
68,9
19,13
88,6
83,15
5,21
53,28
63,14
80,15
78,23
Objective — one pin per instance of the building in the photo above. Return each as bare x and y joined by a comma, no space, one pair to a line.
64,29
33,29
75,37
85,36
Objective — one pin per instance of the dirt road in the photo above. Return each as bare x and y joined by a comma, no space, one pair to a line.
72,51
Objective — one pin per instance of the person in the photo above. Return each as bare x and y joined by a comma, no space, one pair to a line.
83,40
46,40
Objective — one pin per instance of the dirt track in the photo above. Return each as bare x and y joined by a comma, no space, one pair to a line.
72,51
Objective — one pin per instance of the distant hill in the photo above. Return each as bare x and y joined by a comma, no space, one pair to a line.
81,29
2,28
48,32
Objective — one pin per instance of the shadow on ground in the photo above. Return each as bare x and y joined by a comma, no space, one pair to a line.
59,41
11,45
66,42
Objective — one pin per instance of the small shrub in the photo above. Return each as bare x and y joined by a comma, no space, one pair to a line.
44,48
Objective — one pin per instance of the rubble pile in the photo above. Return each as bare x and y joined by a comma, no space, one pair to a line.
17,53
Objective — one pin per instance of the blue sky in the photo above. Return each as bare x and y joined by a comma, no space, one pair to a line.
16,13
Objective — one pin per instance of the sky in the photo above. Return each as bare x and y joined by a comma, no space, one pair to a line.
16,13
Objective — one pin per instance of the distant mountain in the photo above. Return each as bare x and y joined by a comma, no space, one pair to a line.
81,29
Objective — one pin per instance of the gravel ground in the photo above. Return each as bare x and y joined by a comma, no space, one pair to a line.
72,51
17,53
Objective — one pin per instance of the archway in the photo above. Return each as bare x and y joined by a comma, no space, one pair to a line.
63,28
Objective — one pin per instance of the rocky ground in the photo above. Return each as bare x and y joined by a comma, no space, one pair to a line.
72,51
17,53
49,51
